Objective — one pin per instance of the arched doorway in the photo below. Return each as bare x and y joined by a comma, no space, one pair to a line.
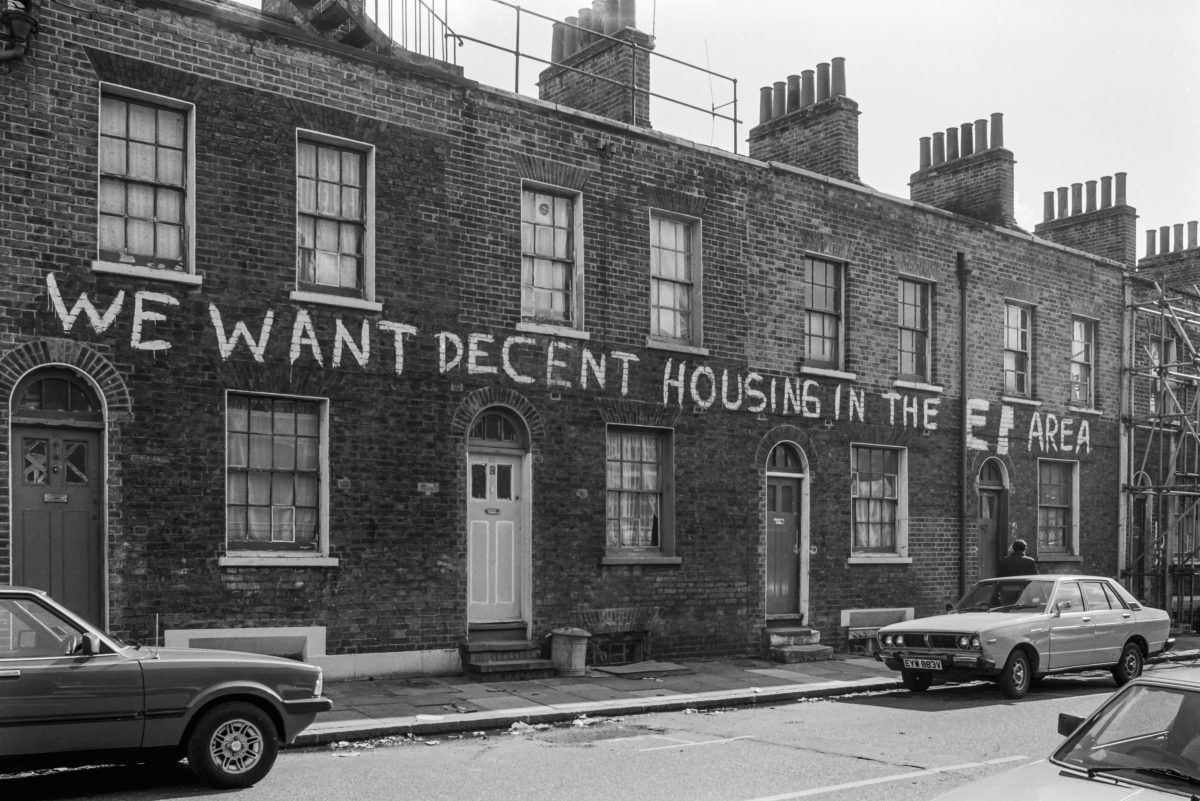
498,555
787,533
992,515
58,489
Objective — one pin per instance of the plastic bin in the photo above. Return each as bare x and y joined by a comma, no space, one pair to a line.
568,651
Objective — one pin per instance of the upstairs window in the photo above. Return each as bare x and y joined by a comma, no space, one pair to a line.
334,211
674,279
550,263
144,203
823,313
913,328
1018,360
1083,355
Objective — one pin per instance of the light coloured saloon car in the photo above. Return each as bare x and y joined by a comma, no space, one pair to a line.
1018,629
72,695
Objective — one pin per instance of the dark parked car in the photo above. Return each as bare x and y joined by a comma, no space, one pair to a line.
1016,629
72,695
1143,743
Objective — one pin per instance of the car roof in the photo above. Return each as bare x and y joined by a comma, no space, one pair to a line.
1185,676
1050,577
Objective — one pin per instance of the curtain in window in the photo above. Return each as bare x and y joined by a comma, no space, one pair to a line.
634,504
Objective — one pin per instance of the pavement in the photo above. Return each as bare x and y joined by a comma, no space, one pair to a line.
428,706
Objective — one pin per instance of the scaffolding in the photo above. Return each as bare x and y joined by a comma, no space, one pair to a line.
1163,447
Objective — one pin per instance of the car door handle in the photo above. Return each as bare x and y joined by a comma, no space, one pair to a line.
10,674
1086,619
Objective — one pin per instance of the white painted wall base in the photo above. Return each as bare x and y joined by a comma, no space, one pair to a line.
390,665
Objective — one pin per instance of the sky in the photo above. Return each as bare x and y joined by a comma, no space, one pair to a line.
1088,88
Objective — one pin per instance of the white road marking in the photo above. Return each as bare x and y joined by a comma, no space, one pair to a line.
833,788
688,743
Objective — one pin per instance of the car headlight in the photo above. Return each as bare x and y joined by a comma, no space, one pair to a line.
898,640
968,642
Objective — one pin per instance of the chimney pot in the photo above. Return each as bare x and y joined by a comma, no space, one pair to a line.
765,95
951,144
585,22
779,99
1106,192
997,129
570,37
1091,196
1047,206
1076,198
926,156
1149,241
612,16
558,36
1120,201
1164,239
1063,210
966,132
939,147
1178,236
981,136
627,11
1192,234
807,88
793,93
822,81
839,76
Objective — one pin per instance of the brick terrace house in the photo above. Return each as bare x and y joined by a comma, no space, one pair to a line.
322,347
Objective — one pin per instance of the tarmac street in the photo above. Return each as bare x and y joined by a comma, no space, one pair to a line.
433,705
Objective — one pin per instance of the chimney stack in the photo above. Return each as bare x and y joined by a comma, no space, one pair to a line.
1170,257
965,174
1103,226
593,56
818,131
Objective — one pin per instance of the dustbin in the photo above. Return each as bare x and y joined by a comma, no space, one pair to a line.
568,651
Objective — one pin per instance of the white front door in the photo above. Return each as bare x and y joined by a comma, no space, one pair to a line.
495,573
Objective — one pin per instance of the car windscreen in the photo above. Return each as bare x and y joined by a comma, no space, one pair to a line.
1007,595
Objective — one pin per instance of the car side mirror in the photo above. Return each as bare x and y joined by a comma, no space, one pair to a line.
949,607
90,645
1067,724
1061,606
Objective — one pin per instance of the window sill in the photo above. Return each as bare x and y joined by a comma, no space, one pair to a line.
276,560
301,296
677,347
153,273
641,560
1088,410
879,560
565,331
1059,558
920,386
829,372
1019,400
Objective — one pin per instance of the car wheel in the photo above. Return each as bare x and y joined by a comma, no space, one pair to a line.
1130,666
1015,678
916,681
233,745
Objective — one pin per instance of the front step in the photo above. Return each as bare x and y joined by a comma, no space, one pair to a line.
790,654
790,644
504,660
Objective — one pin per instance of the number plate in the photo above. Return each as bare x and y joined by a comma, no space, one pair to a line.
923,664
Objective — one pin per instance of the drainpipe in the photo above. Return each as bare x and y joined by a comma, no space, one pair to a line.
964,275
1125,471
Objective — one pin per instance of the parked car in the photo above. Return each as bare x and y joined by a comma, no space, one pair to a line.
1142,743
1018,629
72,695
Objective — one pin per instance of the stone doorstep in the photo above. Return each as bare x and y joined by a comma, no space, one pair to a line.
789,654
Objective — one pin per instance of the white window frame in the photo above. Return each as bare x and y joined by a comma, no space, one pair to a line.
1083,359
1071,546
1018,350
838,314
317,557
573,325
921,329
694,338
899,553
664,553
187,275
365,299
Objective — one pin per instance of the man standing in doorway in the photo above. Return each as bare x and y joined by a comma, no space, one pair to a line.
1017,563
